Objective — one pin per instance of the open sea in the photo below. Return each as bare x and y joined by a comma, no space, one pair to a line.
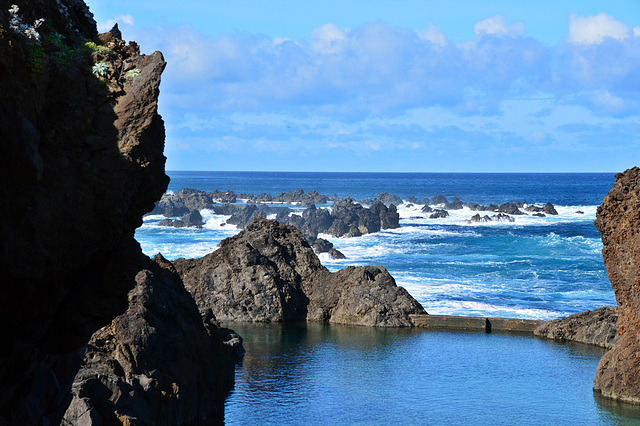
536,268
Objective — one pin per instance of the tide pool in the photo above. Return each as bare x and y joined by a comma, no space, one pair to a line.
316,374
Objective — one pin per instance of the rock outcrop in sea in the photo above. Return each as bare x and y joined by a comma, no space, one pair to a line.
598,327
82,162
618,220
269,273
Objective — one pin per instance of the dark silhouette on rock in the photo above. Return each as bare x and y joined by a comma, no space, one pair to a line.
597,327
158,362
269,273
82,162
618,221
190,219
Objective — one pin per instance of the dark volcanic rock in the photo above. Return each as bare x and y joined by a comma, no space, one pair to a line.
156,363
190,219
245,215
269,273
365,295
597,327
352,220
82,161
510,208
184,201
439,214
388,199
618,221
549,209
426,209
254,276
223,196
439,200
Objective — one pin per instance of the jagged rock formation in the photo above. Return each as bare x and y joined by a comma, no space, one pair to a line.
618,221
598,327
156,363
269,273
82,162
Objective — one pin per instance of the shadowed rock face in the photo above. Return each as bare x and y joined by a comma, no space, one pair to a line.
618,220
82,161
269,273
156,363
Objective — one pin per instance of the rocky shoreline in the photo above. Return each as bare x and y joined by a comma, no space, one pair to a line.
94,332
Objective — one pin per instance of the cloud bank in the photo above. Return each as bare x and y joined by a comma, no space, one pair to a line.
358,90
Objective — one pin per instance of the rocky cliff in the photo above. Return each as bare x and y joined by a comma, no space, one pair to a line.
269,273
82,161
157,363
618,220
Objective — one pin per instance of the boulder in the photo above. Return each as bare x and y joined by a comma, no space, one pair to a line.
223,196
439,200
549,209
597,327
184,201
365,295
510,208
190,219
455,204
439,214
618,221
388,199
269,273
157,363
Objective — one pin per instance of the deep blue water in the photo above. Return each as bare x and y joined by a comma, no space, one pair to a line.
539,268
312,374
481,188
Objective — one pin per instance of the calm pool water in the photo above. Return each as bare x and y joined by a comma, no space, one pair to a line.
309,374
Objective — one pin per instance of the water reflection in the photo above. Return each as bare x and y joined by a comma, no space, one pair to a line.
319,374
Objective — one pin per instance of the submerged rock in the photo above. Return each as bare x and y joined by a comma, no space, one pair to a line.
597,327
618,221
269,273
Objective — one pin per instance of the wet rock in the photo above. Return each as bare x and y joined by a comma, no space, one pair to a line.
223,196
184,201
190,219
388,199
439,214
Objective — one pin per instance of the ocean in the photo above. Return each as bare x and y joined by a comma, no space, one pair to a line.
534,267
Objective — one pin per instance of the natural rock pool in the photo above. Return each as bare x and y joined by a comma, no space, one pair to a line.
320,374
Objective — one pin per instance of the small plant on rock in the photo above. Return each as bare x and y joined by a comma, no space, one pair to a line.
101,69
132,73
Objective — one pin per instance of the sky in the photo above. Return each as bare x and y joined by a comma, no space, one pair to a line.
393,86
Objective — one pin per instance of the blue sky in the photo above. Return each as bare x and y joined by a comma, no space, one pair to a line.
405,85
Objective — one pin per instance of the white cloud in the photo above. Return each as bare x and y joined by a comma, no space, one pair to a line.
433,34
121,19
497,26
329,39
595,29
